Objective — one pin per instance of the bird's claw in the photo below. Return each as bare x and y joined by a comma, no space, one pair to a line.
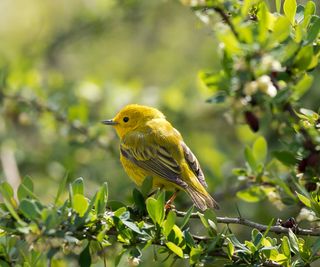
169,206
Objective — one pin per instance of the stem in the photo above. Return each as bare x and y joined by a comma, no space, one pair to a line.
225,17
261,227
227,20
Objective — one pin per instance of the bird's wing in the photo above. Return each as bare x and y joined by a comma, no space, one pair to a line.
143,150
193,164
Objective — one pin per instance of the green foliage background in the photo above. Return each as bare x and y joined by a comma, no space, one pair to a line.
67,65
87,60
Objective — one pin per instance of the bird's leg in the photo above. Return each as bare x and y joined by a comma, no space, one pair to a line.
171,199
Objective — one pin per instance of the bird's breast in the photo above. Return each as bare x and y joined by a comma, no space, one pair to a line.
136,173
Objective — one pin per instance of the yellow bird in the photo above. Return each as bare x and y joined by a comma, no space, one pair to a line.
151,146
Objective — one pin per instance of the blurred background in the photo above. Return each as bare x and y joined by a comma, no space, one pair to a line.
67,65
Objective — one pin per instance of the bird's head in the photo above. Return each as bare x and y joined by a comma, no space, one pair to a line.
132,117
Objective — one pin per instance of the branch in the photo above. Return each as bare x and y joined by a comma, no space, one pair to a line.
261,227
227,20
225,17
40,107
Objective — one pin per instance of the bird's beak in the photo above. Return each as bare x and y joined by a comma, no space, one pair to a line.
109,122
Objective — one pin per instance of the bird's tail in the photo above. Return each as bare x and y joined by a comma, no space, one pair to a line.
202,201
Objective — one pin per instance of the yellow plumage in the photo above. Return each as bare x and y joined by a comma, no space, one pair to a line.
150,146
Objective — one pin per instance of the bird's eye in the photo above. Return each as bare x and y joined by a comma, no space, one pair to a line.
125,119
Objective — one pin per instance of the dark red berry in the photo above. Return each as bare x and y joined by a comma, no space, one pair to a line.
252,121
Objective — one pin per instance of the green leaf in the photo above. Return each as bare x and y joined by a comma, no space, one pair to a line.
188,239
208,219
260,149
302,86
120,211
263,21
251,194
306,201
101,199
85,257
175,249
203,220
169,223
250,158
250,246
298,33
9,201
209,214
316,247
299,14
309,10
80,204
62,186
289,8
176,235
146,186
139,200
12,211
288,51
29,209
258,239
4,263
232,47
25,189
313,30
186,217
216,82
237,243
230,250
278,6
308,113
293,242
155,208
285,157
77,186
132,226
304,58
285,246
195,255
304,249
7,193
50,217
281,31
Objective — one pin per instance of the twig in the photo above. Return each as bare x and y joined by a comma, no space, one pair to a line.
261,227
227,20
225,17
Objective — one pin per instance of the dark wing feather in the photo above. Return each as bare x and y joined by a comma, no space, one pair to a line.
193,164
156,160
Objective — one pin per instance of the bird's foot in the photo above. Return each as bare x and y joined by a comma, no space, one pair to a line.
169,206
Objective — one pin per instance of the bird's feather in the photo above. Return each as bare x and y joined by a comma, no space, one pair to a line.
153,158
193,164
